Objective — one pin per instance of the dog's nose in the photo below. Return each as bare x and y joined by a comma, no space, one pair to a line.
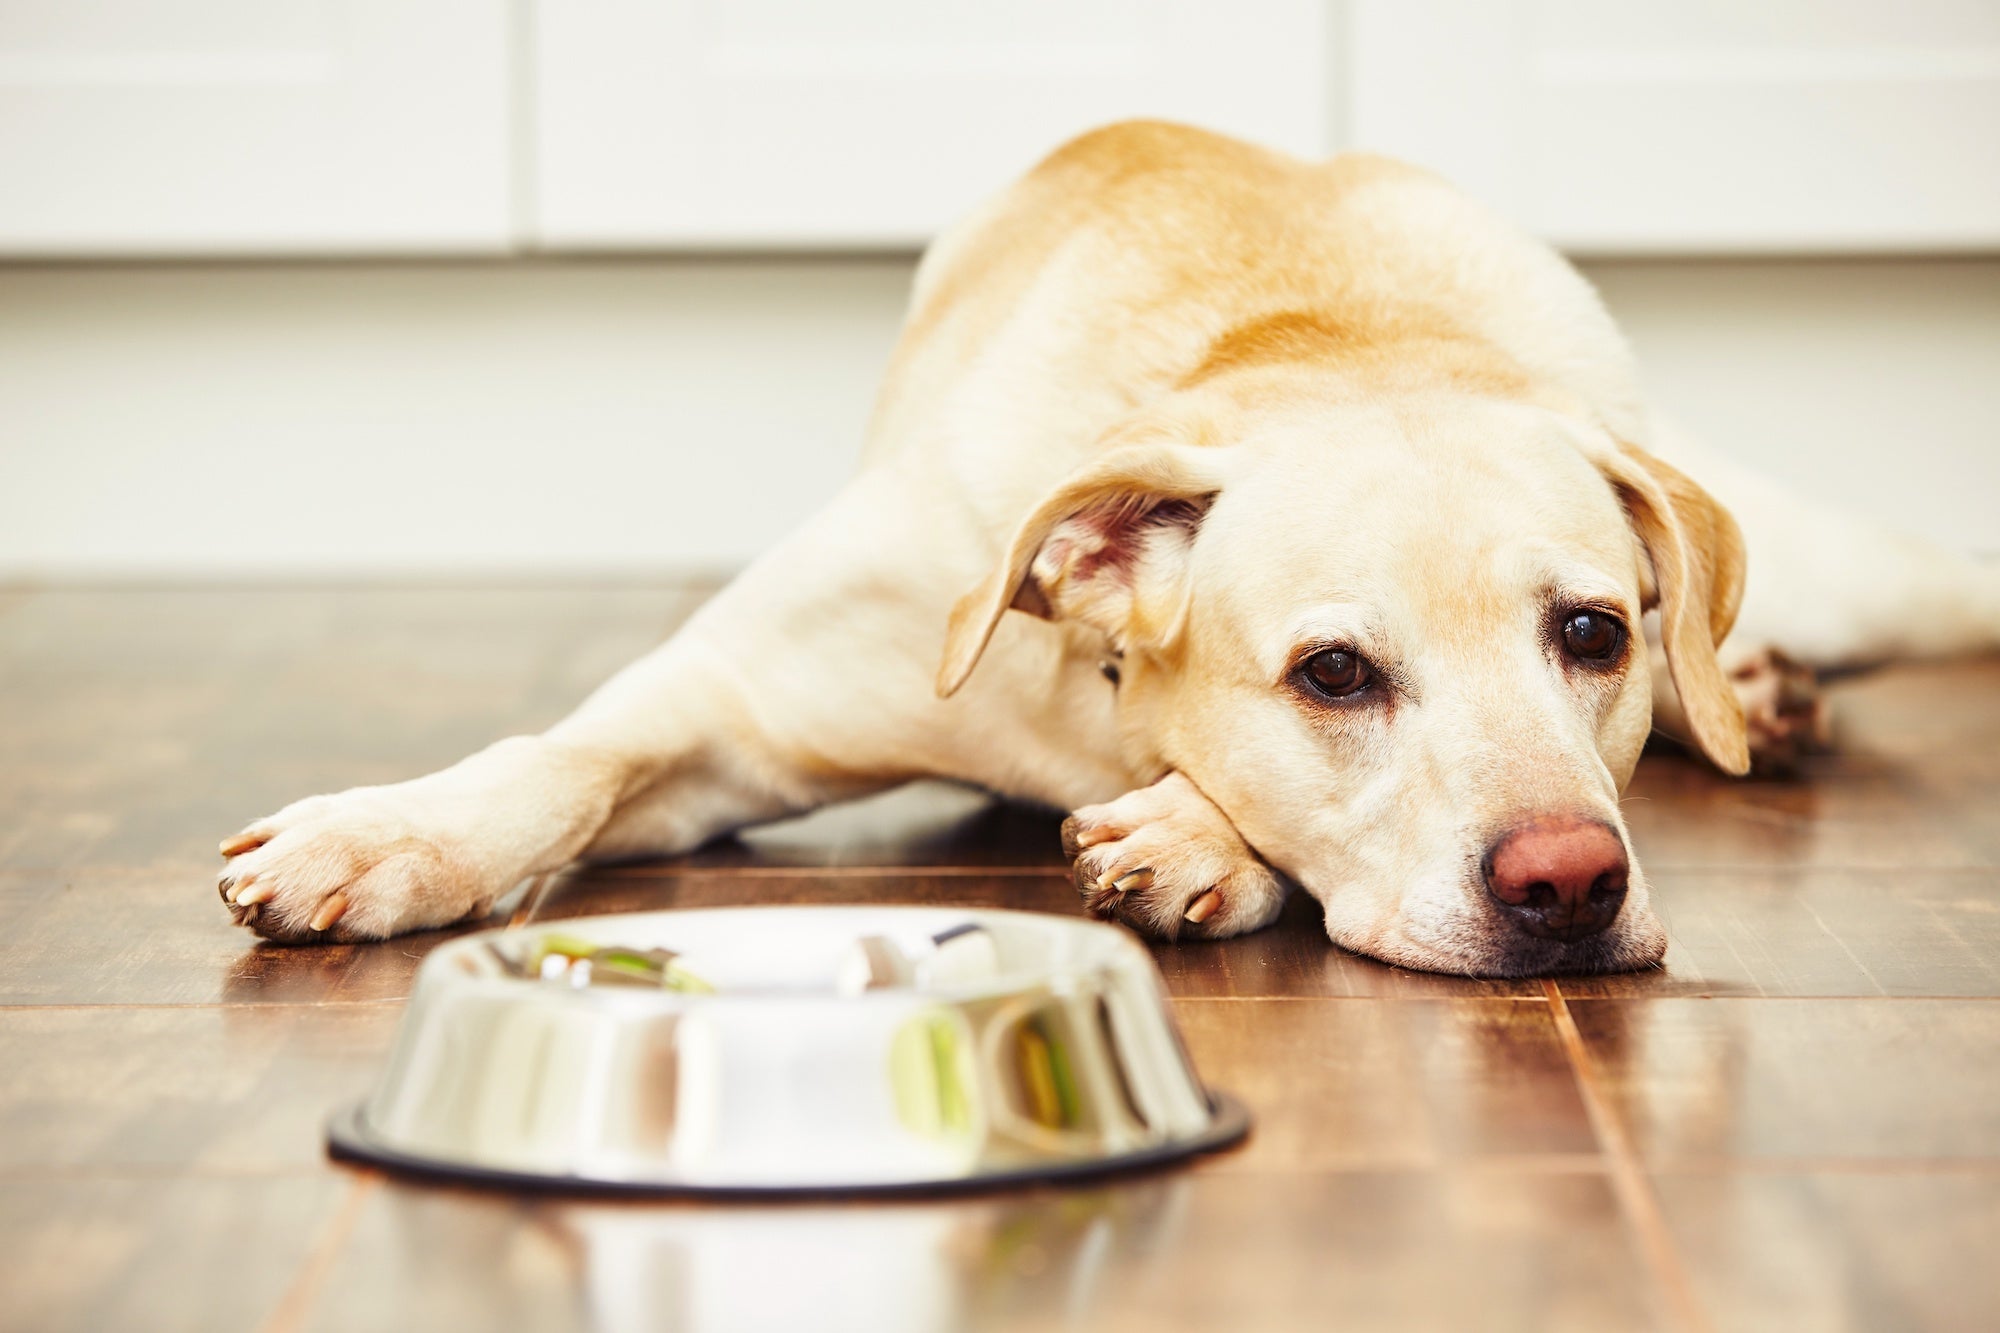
1560,878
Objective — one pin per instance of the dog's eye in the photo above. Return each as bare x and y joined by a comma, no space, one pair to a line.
1593,636
1336,673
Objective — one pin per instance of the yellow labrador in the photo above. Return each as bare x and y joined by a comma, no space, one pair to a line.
1330,509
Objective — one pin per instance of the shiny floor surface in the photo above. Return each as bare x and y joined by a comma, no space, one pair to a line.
1796,1124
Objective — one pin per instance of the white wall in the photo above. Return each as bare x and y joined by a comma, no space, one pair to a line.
507,417
1873,383
640,416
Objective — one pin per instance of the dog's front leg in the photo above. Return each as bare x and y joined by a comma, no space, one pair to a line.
376,861
763,705
1166,861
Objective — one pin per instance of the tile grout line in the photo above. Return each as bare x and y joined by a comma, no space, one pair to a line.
286,1006
235,1006
1636,1198
610,873
198,865
1396,997
175,1172
606,876
313,1272
1594,1163
1386,997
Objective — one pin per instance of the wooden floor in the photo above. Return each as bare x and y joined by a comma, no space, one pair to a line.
1796,1125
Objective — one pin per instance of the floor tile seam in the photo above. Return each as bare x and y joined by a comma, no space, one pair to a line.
605,874
1499,1163
1654,866
386,1001
1971,1168
167,1006
1961,863
140,1173
1659,1167
1674,1164
1345,999
1637,1202
645,871
1575,998
399,1000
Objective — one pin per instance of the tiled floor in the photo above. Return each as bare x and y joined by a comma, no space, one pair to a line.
1796,1125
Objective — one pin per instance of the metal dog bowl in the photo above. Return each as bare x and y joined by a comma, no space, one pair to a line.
782,1050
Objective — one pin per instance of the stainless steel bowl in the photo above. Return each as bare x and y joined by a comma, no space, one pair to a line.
778,1050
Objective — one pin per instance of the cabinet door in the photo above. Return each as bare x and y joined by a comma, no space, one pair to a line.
1698,125
874,122
137,127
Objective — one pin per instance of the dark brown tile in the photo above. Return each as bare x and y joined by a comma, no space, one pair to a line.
199,1254
1800,1080
1843,811
1293,957
1820,932
1186,1250
1363,1084
226,1090
1921,711
137,726
1420,1160
1839,1252
921,824
90,936
606,890
1913,781
1966,788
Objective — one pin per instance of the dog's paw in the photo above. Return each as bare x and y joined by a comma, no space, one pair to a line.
1783,710
1165,861
357,865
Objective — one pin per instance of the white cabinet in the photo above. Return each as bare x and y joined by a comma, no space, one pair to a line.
245,127
254,126
726,123
1700,125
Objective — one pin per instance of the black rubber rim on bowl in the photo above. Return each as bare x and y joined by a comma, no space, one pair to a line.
348,1140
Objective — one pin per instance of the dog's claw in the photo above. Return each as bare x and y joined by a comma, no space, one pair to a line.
1076,838
1131,881
241,843
330,911
1165,861
1202,908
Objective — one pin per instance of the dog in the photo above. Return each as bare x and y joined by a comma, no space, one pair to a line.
1333,522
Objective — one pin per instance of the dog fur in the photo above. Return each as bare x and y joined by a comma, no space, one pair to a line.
1194,411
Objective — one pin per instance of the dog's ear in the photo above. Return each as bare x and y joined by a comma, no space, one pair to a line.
1696,552
1108,547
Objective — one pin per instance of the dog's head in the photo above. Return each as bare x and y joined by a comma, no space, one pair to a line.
1399,645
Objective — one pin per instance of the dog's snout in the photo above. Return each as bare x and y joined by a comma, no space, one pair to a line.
1559,878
